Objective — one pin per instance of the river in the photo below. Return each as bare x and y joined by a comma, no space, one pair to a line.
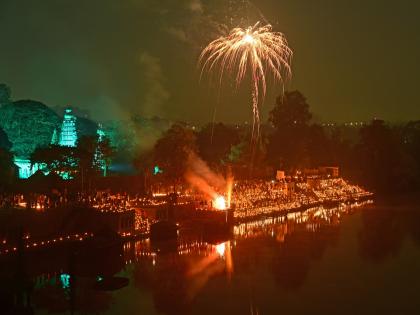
342,261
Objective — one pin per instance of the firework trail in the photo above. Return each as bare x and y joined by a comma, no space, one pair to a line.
256,50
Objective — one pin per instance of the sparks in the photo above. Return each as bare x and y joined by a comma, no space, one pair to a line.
257,50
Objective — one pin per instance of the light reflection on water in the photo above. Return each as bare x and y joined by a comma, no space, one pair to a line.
318,261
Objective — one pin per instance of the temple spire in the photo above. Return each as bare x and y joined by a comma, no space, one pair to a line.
68,135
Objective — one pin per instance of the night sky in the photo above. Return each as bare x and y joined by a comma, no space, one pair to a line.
353,59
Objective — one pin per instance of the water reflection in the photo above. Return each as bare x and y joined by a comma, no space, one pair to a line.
385,229
175,278
246,274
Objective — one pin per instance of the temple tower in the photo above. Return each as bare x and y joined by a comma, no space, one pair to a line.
68,135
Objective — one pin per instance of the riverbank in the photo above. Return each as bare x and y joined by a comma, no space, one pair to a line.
242,216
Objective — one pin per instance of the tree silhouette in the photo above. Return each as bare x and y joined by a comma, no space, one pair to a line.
54,158
105,154
85,152
215,142
172,150
382,160
290,110
289,144
4,140
5,94
7,169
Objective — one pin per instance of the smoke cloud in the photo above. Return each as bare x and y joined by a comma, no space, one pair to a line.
201,177
156,92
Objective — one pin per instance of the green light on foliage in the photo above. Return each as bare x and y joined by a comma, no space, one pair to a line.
157,170
65,280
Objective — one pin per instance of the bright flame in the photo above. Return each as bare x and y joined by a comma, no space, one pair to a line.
220,203
229,188
256,49
220,249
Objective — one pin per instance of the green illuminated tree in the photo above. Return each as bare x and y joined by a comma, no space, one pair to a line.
105,154
29,125
4,140
54,158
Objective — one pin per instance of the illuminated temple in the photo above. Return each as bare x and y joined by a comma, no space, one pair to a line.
66,137
68,134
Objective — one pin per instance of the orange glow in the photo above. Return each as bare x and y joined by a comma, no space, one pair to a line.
220,249
220,203
223,249
229,190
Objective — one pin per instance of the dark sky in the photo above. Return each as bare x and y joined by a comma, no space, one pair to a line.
353,59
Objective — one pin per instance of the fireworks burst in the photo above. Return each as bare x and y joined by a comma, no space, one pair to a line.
257,50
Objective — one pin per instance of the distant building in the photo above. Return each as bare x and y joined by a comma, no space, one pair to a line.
25,168
68,134
311,172
280,175
322,171
329,171
66,137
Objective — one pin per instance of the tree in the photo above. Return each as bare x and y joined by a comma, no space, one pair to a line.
4,140
291,110
85,153
411,140
136,134
5,94
288,146
105,154
144,161
7,169
54,158
123,137
29,125
215,142
319,146
382,160
171,152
